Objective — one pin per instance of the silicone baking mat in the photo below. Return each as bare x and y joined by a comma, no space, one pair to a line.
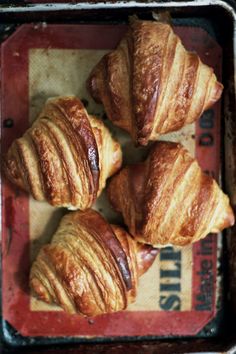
181,292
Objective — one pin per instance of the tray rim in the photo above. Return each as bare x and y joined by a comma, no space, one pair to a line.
228,5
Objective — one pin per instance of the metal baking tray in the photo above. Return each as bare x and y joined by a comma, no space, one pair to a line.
217,19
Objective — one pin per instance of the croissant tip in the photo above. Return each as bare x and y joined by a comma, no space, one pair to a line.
219,87
39,290
162,16
230,220
215,94
92,84
146,256
10,171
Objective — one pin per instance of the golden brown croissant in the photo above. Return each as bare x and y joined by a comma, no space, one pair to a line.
90,267
168,199
150,85
65,157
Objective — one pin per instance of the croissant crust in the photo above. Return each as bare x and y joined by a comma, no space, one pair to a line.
168,199
151,85
90,267
65,157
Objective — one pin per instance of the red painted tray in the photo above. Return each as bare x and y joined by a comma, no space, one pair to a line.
181,293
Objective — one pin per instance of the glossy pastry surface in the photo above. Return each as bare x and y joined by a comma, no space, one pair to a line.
65,157
151,85
168,199
90,267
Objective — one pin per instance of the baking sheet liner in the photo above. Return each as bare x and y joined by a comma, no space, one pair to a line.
179,294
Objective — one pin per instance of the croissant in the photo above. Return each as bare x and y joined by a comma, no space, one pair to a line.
151,85
168,199
65,157
90,267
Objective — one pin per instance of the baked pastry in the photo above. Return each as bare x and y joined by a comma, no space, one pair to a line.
90,267
151,85
65,157
168,200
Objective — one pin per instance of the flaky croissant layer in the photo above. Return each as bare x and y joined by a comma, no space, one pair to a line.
65,157
151,85
90,267
168,199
